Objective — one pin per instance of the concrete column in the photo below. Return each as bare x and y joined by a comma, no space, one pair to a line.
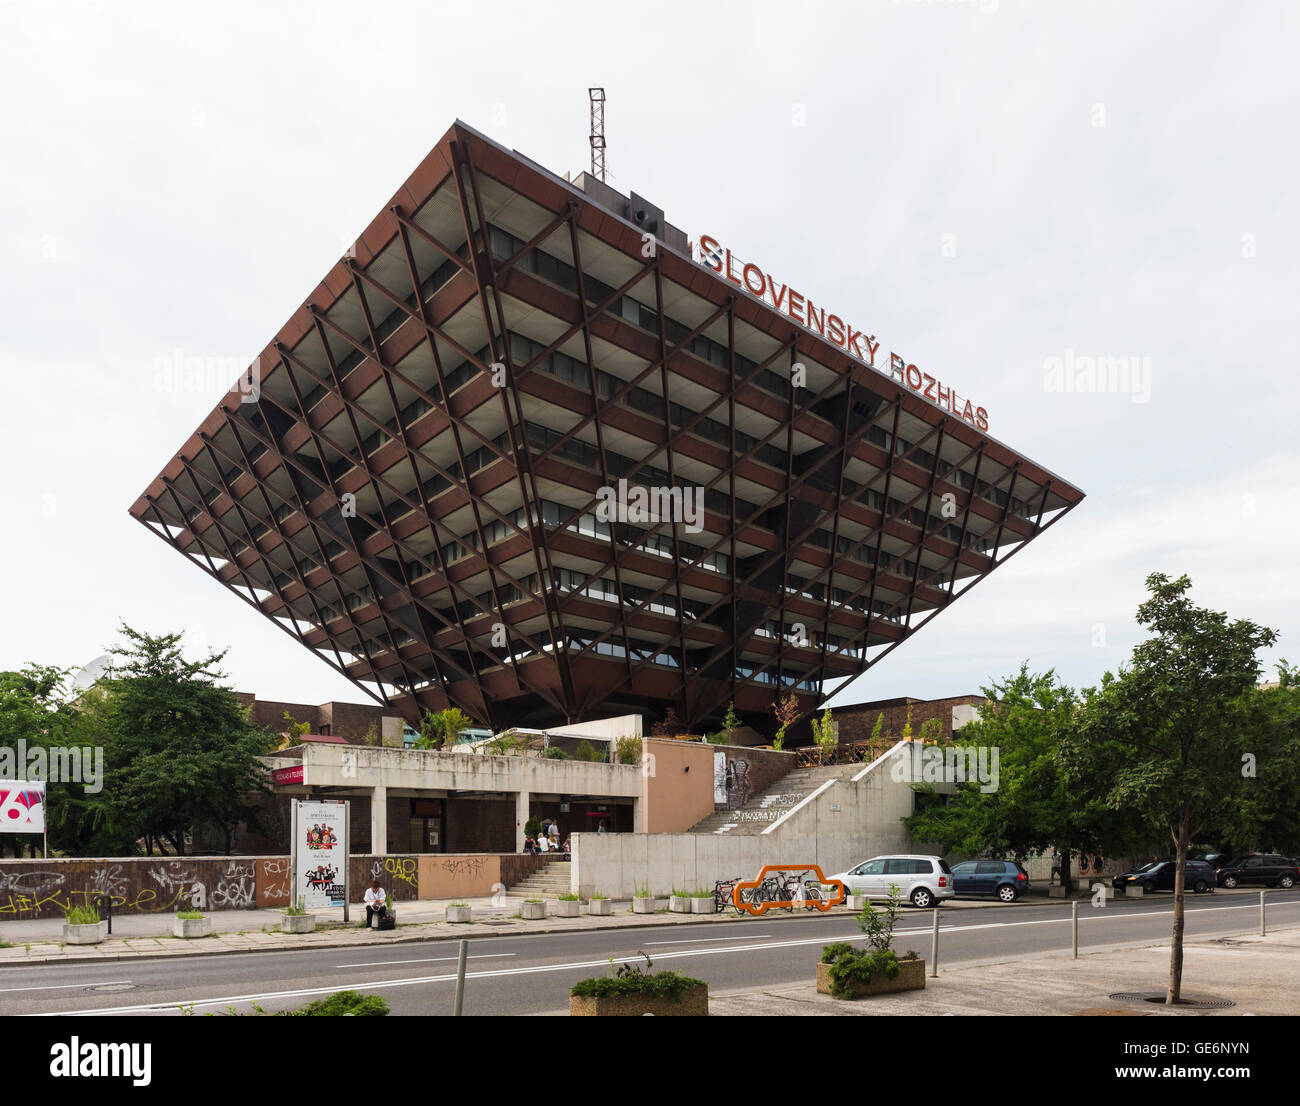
379,819
522,799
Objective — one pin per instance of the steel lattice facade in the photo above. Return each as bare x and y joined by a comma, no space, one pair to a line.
409,479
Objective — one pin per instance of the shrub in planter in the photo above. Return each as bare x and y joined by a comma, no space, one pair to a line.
297,920
849,972
190,923
600,904
81,926
568,906
534,909
643,902
702,902
459,912
631,991
680,902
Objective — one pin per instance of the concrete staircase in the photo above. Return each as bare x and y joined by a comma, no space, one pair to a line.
549,882
783,795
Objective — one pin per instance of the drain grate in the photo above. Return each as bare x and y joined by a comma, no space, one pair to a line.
1201,1002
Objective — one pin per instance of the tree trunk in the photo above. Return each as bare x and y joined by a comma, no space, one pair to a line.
1176,945
1067,881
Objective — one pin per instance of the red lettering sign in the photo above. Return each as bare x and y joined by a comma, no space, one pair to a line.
833,328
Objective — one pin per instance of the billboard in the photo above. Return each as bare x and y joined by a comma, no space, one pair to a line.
22,806
320,851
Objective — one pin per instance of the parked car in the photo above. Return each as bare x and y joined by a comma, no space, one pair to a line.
1159,876
1003,878
1261,868
922,880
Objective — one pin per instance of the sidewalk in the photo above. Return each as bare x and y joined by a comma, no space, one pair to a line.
1256,973
148,935
237,931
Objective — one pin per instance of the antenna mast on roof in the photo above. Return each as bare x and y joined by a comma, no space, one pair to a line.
597,97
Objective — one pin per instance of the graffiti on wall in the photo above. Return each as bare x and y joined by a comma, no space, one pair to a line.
470,866
738,785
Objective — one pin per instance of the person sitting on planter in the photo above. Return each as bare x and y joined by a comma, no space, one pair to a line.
568,853
376,901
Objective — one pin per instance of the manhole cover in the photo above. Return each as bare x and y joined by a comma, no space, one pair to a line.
111,988
1201,1002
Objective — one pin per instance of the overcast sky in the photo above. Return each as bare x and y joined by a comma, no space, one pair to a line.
986,186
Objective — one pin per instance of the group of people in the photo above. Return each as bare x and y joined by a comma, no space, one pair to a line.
547,841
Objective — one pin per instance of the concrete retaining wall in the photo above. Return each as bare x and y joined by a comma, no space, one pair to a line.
843,824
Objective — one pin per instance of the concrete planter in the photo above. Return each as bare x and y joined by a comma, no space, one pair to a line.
703,906
298,923
601,907
644,906
1056,891
910,978
533,911
89,934
694,1003
679,904
1134,891
856,903
1102,891
191,927
459,914
568,908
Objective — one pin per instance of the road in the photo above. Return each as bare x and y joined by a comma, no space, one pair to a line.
532,974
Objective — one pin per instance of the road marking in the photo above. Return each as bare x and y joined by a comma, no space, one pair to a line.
425,960
171,1006
697,940
64,986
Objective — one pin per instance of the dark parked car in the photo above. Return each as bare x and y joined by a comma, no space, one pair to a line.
1261,868
1159,876
1003,878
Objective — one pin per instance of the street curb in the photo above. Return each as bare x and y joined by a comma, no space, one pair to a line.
629,921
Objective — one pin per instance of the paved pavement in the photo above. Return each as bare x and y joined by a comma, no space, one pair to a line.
1255,973
149,935
136,935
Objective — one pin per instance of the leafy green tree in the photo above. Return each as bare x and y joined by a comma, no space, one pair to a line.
1033,806
1267,818
180,749
825,734
441,729
1171,733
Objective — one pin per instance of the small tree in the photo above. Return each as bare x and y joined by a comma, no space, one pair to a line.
441,729
787,714
1171,732
731,722
669,727
826,735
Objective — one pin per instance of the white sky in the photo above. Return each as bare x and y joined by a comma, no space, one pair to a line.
983,185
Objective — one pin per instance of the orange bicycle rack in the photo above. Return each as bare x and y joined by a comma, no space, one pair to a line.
758,909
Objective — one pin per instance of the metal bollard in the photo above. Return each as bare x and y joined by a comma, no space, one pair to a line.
934,946
1074,928
460,978
1262,929
104,904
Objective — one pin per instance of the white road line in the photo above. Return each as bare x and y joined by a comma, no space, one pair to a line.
381,984
64,986
697,940
426,960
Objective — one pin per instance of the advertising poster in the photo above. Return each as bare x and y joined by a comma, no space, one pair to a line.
322,854
22,806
